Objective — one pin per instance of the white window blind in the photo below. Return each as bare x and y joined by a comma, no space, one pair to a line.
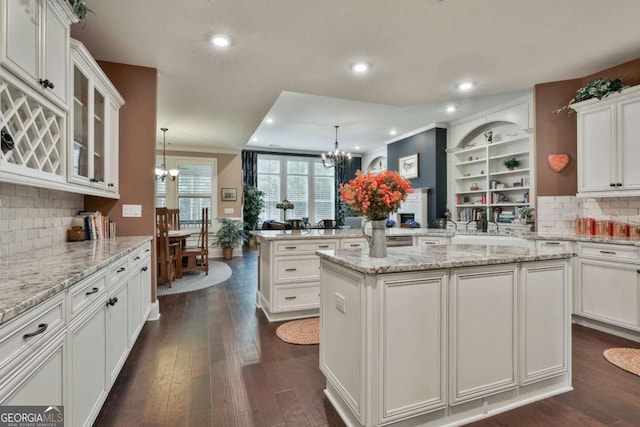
194,193
269,182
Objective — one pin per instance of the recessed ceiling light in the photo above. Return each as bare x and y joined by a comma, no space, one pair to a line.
360,67
451,108
465,86
269,120
220,41
357,147
393,132
254,139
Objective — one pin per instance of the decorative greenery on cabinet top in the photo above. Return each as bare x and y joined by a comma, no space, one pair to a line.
80,9
598,88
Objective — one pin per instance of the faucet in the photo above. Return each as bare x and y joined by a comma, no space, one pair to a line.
455,224
497,226
466,226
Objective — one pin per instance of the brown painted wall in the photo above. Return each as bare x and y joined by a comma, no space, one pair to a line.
138,87
557,133
229,176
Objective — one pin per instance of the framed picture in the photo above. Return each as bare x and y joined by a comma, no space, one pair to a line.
408,166
229,194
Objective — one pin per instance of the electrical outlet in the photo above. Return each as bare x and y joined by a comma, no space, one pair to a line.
341,303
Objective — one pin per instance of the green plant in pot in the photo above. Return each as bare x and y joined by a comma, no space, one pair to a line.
526,213
80,9
253,205
511,163
228,236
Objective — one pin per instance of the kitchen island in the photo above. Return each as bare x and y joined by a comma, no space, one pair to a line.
443,335
289,269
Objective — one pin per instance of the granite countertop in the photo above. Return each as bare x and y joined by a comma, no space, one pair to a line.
345,233
438,257
30,278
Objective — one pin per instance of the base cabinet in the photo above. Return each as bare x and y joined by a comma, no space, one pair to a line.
88,364
444,346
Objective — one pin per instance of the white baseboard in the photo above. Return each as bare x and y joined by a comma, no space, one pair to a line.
155,311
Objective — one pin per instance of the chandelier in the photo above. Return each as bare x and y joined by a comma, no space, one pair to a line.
336,158
162,172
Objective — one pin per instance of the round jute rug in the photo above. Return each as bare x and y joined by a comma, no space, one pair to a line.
625,358
303,331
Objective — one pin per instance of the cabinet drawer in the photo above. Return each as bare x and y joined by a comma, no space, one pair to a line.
618,252
119,269
358,243
297,297
86,292
297,269
31,329
553,244
297,247
138,255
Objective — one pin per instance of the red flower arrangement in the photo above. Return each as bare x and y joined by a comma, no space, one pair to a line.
375,196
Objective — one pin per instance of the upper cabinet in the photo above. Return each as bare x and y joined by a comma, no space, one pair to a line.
35,45
608,135
93,139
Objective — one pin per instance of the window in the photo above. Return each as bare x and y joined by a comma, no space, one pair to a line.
303,181
194,189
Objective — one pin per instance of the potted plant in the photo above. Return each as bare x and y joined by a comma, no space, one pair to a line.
598,88
525,213
80,9
511,163
253,205
228,236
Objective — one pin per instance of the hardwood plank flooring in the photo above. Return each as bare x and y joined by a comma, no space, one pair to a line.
213,359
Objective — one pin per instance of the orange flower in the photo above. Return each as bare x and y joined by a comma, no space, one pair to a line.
375,196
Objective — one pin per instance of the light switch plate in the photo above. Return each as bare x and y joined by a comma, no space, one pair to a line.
229,210
131,211
341,303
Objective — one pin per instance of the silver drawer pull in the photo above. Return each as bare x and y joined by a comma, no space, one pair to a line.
41,328
552,243
429,243
92,291
290,298
120,270
355,245
608,252
323,246
290,247
290,269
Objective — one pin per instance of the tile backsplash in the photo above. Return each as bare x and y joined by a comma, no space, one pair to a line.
34,218
557,214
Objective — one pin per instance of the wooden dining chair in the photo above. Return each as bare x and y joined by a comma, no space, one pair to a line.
174,218
165,251
197,258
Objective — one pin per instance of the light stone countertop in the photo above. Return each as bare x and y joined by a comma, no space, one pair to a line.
436,257
30,278
266,235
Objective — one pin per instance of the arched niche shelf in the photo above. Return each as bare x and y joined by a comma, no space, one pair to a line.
500,130
378,164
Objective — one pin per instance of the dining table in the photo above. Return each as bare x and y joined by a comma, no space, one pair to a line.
180,236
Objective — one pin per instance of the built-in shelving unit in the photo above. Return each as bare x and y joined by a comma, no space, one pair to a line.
481,182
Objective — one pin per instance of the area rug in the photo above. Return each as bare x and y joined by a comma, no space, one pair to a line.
195,280
625,358
303,331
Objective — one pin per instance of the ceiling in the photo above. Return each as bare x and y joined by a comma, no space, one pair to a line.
290,60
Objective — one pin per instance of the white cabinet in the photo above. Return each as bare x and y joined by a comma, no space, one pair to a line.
117,338
93,134
609,284
608,131
87,361
483,335
289,277
36,45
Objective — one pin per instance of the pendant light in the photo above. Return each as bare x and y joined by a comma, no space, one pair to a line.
335,158
162,172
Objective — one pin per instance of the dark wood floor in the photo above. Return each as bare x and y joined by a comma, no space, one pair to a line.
214,360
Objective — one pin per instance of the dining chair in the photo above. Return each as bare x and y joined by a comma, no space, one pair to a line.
197,258
174,218
165,251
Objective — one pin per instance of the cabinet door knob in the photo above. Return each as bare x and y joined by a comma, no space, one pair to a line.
145,268
612,185
618,184
110,184
112,301
41,328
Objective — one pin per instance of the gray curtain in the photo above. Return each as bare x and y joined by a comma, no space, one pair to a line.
250,168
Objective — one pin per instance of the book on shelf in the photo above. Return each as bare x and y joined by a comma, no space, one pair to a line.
96,225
